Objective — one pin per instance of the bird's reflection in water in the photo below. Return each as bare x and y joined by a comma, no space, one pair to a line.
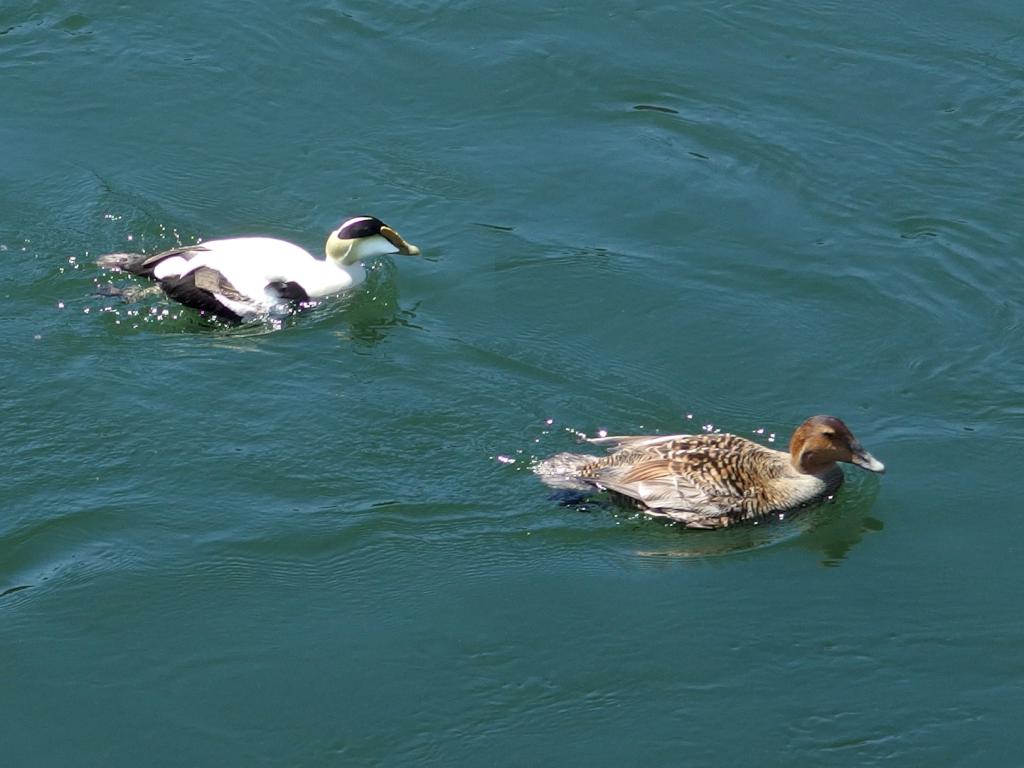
371,313
830,529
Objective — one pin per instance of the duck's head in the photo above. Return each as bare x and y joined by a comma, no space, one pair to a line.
363,237
821,441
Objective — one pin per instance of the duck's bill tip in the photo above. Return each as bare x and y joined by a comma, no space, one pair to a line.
403,245
866,461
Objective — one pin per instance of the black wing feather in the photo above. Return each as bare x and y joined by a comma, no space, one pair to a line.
196,290
288,291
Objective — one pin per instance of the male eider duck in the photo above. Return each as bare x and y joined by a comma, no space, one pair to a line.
243,277
715,480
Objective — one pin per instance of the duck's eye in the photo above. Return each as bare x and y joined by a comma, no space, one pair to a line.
829,435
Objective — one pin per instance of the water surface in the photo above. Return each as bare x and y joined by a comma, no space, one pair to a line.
321,544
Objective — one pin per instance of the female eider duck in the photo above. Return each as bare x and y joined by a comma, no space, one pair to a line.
243,277
715,480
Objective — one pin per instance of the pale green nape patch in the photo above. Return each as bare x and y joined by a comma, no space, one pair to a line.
341,250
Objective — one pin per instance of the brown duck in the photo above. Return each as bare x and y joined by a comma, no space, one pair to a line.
715,480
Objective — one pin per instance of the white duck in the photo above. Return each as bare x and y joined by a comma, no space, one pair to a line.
243,277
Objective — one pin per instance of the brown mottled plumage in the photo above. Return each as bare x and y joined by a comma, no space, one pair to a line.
713,481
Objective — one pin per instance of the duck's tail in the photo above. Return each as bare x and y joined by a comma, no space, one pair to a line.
126,262
563,471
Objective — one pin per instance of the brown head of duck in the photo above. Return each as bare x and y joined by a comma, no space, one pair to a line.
821,441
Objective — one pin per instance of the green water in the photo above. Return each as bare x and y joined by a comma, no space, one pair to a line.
321,544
